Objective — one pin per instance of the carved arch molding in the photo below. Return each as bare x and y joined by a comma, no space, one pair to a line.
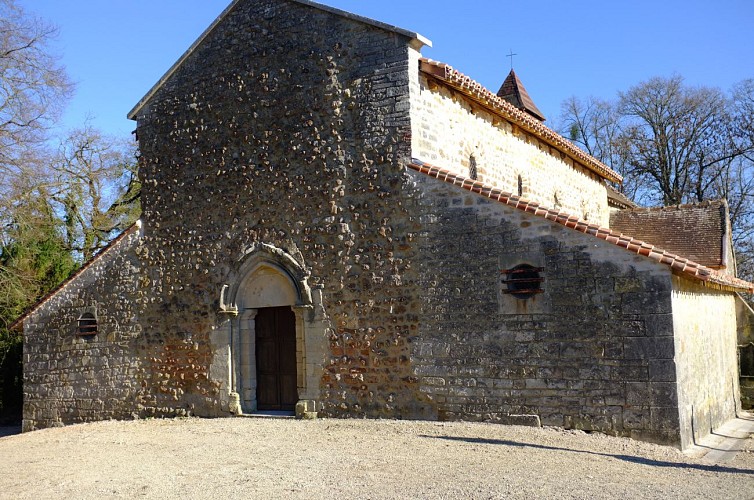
268,277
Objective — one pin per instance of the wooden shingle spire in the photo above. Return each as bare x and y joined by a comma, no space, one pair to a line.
514,92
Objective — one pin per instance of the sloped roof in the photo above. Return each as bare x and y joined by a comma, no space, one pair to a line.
515,93
699,231
416,37
19,322
677,263
617,199
497,105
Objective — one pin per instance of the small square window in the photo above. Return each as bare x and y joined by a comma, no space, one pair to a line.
87,324
523,281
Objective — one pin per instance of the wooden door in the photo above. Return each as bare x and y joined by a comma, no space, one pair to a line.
276,359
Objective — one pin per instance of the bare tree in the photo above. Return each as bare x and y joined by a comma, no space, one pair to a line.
672,143
95,189
743,115
676,144
597,127
33,89
593,124
677,137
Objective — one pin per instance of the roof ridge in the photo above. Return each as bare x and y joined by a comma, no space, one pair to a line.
676,262
491,101
700,204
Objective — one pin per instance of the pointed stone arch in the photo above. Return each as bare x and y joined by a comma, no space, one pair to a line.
267,277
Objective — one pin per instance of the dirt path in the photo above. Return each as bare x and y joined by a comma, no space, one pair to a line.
284,458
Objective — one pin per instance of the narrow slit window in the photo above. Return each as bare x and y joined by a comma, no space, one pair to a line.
520,186
87,324
523,281
746,359
472,168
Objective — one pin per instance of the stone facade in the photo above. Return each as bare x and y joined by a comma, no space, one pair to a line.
449,130
706,358
72,378
274,164
586,353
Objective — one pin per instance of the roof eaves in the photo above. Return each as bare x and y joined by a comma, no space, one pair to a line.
619,199
417,39
677,263
18,323
471,88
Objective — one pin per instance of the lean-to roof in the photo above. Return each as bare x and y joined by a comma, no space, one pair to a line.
699,230
106,250
680,265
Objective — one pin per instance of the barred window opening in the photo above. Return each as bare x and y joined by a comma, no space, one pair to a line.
523,281
87,324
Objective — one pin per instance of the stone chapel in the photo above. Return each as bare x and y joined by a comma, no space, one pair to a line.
334,225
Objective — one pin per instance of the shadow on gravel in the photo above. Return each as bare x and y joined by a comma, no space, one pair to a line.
9,430
626,458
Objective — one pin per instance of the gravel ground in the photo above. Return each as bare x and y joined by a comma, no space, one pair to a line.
285,458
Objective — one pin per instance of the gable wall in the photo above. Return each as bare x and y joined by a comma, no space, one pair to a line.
448,128
69,378
287,126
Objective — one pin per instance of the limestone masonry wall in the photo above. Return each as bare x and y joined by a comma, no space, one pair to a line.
448,129
593,351
706,347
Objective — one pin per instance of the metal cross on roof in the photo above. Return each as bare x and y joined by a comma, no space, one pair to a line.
511,56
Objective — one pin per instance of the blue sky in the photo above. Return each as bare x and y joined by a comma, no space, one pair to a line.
115,50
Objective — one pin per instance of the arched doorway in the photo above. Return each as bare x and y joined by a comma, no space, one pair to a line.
277,339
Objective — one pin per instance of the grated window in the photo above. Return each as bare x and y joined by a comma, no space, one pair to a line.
520,186
523,281
87,324
472,168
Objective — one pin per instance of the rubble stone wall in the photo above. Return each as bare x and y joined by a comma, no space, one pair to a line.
72,378
288,126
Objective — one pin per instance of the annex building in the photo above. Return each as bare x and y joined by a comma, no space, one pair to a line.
333,224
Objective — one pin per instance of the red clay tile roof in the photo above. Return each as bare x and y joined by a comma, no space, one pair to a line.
515,93
699,231
19,322
501,107
678,264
